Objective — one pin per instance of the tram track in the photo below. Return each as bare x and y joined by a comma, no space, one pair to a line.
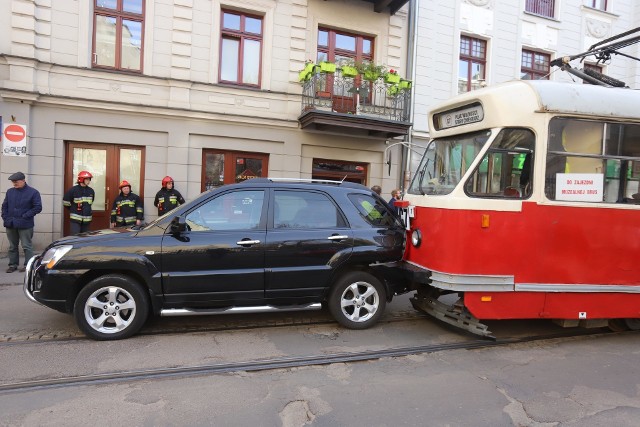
158,327
281,363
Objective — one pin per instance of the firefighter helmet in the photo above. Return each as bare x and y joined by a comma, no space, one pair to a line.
167,179
84,175
124,183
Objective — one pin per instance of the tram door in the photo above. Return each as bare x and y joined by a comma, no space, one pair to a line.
109,164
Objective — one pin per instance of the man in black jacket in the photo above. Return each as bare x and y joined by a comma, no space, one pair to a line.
20,205
127,208
78,200
168,198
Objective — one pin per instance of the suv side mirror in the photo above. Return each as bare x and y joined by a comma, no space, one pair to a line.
178,225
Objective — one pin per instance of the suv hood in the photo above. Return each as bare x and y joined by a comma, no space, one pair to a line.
98,235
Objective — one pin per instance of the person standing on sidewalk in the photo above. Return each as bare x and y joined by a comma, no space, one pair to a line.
168,198
21,204
127,208
78,199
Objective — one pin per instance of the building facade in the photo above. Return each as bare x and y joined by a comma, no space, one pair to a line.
205,91
466,44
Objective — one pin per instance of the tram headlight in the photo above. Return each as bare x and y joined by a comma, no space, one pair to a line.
416,238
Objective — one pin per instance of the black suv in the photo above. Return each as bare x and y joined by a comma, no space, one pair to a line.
260,245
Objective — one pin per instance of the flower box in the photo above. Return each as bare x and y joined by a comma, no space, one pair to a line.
371,75
404,84
327,67
308,71
391,78
349,71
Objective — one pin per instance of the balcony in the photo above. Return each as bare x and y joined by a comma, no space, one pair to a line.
332,103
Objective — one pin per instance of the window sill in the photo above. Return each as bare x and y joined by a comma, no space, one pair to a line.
548,18
600,11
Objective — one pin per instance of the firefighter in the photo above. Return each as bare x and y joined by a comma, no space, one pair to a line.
78,200
168,198
127,208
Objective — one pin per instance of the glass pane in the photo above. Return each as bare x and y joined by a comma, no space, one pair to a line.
94,161
247,168
366,46
214,170
240,210
251,62
345,42
477,75
230,21
109,4
323,38
130,168
253,25
229,60
131,44
297,209
322,56
132,6
463,70
105,41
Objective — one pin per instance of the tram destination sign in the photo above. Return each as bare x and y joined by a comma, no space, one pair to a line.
461,116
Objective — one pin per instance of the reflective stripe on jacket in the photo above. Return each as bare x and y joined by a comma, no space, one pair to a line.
78,200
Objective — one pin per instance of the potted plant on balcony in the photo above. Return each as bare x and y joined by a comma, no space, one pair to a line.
370,71
392,77
348,68
327,67
405,84
307,72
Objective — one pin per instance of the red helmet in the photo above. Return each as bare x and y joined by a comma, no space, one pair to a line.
167,179
84,175
124,183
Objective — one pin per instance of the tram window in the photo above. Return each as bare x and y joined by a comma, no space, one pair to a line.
607,152
506,169
445,162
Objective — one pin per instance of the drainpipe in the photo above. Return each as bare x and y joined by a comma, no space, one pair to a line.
411,68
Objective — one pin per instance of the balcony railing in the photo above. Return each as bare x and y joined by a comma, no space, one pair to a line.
356,96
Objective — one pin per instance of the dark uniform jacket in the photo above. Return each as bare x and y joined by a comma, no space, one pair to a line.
79,200
19,207
167,200
127,209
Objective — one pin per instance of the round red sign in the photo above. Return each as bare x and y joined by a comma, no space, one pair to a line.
14,133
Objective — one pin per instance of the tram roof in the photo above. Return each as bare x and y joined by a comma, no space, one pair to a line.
552,97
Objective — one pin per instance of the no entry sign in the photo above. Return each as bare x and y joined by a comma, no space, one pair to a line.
14,140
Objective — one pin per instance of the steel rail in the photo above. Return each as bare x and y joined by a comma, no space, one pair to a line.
277,363
159,330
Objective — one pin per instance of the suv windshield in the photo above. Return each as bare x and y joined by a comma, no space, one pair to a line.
445,161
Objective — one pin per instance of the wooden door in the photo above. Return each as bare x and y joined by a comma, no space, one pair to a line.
109,164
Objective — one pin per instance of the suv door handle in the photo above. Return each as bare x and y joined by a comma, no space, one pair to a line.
337,237
247,242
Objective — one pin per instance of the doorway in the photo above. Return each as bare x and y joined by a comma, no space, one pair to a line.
228,167
338,170
109,164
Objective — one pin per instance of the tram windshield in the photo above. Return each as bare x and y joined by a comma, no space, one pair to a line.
445,162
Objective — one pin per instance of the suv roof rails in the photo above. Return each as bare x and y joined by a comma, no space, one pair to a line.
303,181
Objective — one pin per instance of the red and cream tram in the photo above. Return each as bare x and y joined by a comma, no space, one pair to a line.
526,204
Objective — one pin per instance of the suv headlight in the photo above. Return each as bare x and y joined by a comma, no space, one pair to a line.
53,255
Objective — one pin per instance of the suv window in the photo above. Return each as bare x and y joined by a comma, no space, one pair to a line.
373,210
239,210
303,209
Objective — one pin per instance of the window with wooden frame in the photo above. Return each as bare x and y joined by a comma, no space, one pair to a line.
472,63
118,35
341,47
544,8
240,48
598,4
534,65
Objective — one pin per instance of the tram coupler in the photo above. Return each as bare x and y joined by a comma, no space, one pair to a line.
455,315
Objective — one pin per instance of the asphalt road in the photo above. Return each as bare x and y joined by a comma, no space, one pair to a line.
585,381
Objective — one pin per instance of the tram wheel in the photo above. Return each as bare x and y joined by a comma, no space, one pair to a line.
633,324
618,325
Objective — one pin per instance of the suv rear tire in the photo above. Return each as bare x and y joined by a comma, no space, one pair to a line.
111,307
357,300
